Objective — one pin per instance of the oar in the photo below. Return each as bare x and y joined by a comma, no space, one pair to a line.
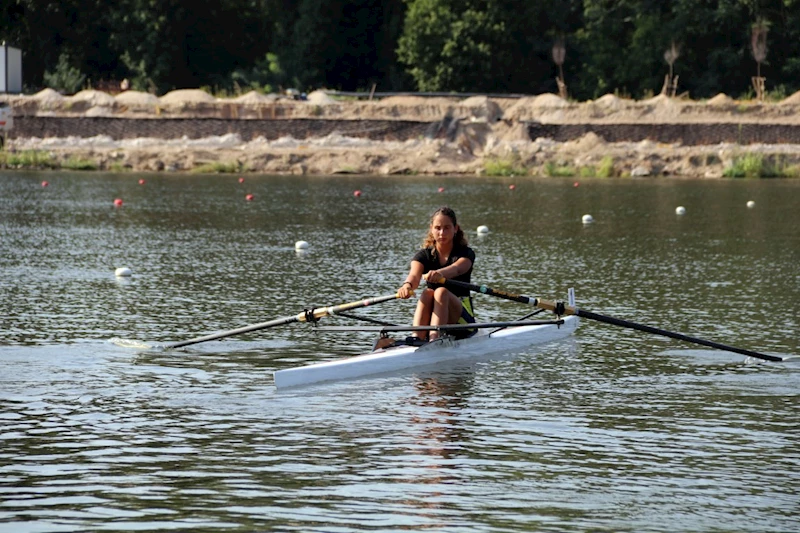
306,316
562,309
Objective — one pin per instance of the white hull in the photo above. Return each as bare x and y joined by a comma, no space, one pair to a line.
401,357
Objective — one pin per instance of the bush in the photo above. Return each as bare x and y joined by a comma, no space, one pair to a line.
504,167
66,78
76,163
558,171
752,166
606,168
27,159
218,167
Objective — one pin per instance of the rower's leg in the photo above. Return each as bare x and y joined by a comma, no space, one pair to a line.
422,316
446,309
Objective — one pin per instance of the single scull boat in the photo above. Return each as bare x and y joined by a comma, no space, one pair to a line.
492,338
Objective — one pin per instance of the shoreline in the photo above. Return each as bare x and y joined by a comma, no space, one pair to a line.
404,135
468,155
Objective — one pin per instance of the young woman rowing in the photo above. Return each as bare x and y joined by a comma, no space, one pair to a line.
444,253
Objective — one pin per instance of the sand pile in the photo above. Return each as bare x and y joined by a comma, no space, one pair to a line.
482,108
533,107
46,95
549,100
48,99
137,99
721,100
408,101
93,98
610,102
187,96
320,98
657,101
793,99
255,97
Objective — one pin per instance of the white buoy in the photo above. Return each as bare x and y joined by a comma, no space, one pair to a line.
751,204
483,230
587,219
301,245
123,272
680,210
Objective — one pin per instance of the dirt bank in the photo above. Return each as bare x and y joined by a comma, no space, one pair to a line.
490,137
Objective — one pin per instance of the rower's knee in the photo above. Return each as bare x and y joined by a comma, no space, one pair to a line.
426,298
441,294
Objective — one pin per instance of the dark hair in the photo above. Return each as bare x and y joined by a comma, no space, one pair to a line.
458,239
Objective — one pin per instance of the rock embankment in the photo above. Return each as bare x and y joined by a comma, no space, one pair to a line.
410,134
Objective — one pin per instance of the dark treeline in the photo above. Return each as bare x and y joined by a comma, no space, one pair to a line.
489,46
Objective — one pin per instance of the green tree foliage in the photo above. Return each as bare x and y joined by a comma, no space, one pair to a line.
479,45
175,44
494,46
65,78
345,45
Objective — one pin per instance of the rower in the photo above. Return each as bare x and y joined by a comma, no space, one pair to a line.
445,254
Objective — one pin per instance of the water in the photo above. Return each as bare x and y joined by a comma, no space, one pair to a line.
612,430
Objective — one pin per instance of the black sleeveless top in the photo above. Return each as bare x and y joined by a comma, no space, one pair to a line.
430,261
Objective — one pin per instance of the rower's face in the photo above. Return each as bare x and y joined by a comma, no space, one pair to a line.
442,228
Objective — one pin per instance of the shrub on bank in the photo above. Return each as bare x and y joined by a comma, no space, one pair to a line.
34,159
218,167
504,167
757,166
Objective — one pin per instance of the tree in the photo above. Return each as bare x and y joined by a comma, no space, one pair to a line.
175,44
346,45
485,46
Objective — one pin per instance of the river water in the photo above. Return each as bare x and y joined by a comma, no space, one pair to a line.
611,430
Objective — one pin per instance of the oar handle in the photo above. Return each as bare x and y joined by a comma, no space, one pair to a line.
484,290
562,309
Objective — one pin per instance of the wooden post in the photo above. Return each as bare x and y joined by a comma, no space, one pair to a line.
759,87
562,87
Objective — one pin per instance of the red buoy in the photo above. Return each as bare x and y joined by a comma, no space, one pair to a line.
512,186
118,202
441,189
249,197
356,193
241,180
45,184
141,182
575,184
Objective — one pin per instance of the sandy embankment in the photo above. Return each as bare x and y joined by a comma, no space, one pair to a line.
489,135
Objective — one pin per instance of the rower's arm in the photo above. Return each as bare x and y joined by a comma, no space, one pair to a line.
461,266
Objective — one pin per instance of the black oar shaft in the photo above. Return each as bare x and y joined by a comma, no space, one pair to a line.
491,292
674,335
238,331
570,310
314,314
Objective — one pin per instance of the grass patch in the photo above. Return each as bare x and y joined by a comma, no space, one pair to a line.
76,163
792,171
606,167
504,167
27,159
218,167
118,167
558,171
756,166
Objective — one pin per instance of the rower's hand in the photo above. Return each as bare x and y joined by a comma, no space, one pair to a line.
433,276
405,291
